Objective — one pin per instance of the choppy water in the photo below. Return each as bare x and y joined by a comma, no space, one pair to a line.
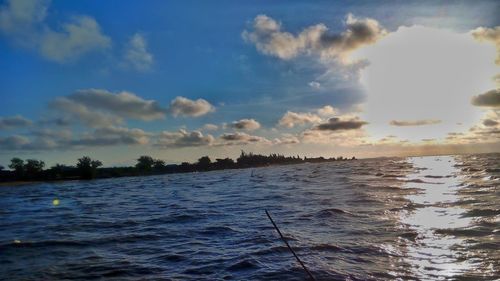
422,218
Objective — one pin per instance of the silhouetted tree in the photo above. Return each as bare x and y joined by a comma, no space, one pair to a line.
57,171
33,168
145,163
225,163
88,167
158,164
17,164
204,163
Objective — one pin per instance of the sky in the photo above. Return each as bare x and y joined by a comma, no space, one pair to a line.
178,80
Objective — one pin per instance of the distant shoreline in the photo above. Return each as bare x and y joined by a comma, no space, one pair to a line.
146,166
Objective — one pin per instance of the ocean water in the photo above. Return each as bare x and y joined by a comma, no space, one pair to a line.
416,218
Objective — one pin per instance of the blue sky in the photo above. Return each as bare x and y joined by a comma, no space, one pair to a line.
196,50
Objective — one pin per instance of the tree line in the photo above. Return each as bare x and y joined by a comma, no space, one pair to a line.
87,168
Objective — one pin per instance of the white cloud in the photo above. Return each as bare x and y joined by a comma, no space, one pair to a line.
101,108
269,39
183,138
327,110
137,55
123,104
18,16
291,119
75,112
492,35
315,85
82,35
286,139
182,106
210,127
23,21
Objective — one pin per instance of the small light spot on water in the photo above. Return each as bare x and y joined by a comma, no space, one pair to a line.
17,241
55,202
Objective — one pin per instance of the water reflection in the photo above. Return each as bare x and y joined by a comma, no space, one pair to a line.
433,256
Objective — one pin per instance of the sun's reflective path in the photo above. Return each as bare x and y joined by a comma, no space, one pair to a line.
433,256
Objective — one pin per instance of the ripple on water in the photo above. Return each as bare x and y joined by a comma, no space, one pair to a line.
421,218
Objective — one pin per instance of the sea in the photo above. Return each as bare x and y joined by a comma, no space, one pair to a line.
412,218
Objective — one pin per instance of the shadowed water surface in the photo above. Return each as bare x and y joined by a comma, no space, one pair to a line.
421,218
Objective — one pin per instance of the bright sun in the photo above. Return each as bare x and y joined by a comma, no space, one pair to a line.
425,75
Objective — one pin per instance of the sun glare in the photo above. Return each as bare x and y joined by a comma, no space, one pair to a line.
424,78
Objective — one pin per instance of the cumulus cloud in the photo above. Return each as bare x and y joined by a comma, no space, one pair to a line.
286,139
111,136
12,122
488,99
245,124
210,127
17,16
182,106
490,122
337,124
291,119
492,35
22,143
101,108
268,38
81,35
137,55
24,22
183,138
47,139
407,123
123,104
240,138
14,142
74,111
327,110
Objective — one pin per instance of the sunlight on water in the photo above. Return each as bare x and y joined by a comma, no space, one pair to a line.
437,180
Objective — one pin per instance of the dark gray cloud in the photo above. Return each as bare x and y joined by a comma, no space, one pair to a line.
13,142
490,122
239,138
12,122
336,124
245,124
183,138
182,106
22,143
488,99
47,139
407,123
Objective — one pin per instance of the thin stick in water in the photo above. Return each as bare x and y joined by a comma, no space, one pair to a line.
289,247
